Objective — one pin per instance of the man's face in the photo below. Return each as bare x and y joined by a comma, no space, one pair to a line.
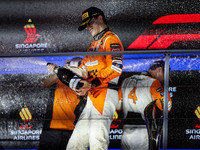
158,74
94,26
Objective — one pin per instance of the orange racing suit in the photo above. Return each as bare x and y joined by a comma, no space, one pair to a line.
103,69
62,113
65,102
92,129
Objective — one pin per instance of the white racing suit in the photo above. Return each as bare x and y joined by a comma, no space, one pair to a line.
136,93
93,128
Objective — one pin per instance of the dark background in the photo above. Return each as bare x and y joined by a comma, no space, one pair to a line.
57,23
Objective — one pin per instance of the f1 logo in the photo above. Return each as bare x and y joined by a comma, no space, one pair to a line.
167,30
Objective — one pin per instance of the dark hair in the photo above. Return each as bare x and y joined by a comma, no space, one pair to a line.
157,64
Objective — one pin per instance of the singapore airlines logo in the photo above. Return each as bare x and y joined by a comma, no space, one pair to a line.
30,29
25,131
194,134
25,114
31,43
197,112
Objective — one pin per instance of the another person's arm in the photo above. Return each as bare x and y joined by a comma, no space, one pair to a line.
49,81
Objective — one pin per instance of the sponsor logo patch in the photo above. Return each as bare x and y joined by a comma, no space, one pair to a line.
116,57
92,63
117,66
159,89
114,45
85,15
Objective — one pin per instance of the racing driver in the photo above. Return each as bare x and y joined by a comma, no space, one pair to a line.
99,76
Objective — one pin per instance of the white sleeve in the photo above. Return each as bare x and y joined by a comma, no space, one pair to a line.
74,82
81,72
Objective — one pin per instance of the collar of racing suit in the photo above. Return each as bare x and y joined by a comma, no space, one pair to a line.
146,73
100,34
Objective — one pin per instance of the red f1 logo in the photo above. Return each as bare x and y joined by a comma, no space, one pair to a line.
167,30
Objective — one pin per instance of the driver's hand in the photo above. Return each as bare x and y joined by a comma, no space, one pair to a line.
84,89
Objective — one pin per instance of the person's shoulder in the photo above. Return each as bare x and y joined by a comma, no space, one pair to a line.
111,34
112,39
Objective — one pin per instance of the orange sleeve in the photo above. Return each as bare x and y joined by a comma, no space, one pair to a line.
120,95
113,62
85,59
157,93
